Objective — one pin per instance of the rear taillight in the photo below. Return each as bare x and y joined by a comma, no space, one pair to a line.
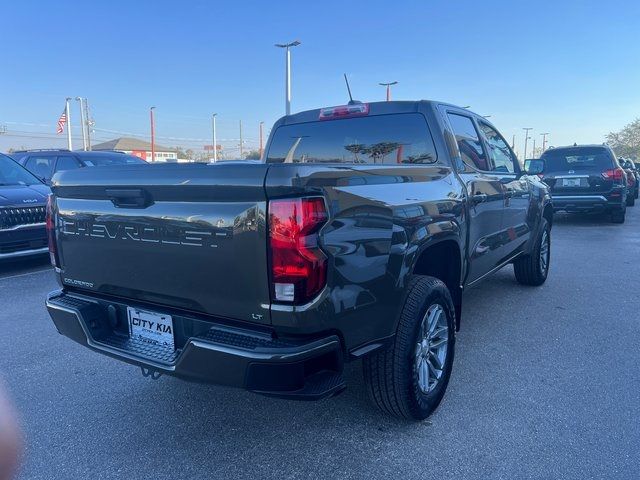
298,265
615,174
51,232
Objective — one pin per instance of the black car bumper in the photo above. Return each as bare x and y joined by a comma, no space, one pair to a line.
205,351
587,203
23,241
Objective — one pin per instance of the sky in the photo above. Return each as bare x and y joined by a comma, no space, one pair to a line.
570,68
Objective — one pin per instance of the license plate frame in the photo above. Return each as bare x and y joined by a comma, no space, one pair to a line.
151,327
571,182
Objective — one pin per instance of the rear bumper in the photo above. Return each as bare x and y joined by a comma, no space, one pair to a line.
576,203
215,353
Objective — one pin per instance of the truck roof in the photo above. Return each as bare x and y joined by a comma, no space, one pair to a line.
375,108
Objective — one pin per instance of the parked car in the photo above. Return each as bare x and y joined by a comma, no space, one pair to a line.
633,181
45,163
354,239
23,199
586,178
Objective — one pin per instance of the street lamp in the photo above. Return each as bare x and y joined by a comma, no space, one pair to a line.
544,141
388,85
153,138
288,46
215,147
526,138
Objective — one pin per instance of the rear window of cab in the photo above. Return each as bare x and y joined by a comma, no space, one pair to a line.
382,139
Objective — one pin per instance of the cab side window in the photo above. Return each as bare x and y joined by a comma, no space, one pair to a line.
40,165
499,152
469,144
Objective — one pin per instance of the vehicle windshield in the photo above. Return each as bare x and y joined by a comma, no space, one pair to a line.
115,159
401,138
11,173
577,159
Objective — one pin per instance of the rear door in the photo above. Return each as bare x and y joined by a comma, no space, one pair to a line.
486,196
505,165
185,236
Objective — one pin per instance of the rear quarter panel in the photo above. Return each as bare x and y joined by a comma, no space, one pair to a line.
381,218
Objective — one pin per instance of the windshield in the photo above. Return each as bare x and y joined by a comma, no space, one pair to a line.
401,138
11,173
577,159
115,159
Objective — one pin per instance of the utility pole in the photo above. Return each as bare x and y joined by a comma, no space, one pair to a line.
513,142
261,139
533,155
526,138
153,139
388,85
213,128
287,87
68,112
240,139
89,123
83,122
544,141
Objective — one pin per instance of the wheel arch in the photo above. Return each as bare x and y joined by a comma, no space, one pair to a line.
442,258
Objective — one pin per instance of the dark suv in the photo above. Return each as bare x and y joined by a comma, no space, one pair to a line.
23,199
585,178
634,179
44,163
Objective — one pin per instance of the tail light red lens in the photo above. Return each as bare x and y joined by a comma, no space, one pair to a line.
51,232
615,174
298,265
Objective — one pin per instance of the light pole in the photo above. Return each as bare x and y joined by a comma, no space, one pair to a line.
544,141
388,85
288,46
526,138
153,138
69,144
83,122
215,147
261,141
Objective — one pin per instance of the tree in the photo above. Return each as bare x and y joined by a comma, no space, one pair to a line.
626,142
253,155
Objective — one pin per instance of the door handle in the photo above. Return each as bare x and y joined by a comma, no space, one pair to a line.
479,198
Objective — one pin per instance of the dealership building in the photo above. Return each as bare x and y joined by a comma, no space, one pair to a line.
139,148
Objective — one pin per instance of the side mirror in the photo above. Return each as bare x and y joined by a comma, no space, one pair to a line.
534,167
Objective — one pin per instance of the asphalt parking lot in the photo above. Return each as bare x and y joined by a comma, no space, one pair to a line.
546,384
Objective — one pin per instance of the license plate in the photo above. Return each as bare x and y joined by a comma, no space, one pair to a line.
570,182
150,327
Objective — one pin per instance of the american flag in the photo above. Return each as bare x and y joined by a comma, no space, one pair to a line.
61,122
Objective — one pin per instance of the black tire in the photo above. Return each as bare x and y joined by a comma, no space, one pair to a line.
637,192
391,375
530,269
618,215
631,200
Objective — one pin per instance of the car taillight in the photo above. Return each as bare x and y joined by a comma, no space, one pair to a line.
344,111
51,232
298,265
615,174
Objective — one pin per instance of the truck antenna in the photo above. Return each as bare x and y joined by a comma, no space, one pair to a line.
351,100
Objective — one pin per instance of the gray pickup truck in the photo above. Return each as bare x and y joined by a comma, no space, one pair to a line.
353,239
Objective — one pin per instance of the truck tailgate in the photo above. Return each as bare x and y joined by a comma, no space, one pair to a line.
185,236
